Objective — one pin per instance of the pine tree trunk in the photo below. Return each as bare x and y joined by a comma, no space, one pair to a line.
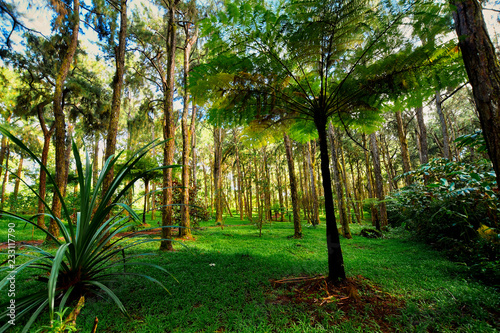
185,230
483,71
117,92
42,187
293,188
17,182
59,119
168,130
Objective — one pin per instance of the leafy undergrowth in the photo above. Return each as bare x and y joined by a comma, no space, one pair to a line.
336,303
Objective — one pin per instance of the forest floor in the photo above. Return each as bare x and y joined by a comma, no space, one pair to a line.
232,280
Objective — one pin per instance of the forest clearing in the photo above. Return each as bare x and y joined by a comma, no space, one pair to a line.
249,166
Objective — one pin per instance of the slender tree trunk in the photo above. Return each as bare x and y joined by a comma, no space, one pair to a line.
168,130
444,130
403,142
218,138
422,134
355,202
95,159
17,182
42,187
336,271
146,195
371,194
266,185
483,71
59,119
240,181
343,173
5,177
293,188
314,192
341,204
185,231
280,190
378,182
117,92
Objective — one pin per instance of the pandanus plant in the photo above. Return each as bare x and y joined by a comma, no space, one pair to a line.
89,254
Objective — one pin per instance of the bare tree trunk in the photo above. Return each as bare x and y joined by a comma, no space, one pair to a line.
59,119
373,210
336,270
117,92
403,142
240,180
483,71
5,177
185,230
444,130
293,188
95,159
218,138
267,191
422,135
17,182
314,192
168,130
378,182
42,187
341,204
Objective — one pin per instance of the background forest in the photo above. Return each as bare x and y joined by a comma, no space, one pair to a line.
361,114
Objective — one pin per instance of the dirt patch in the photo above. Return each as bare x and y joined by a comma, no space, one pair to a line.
357,296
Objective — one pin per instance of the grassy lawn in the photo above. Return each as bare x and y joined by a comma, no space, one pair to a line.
224,285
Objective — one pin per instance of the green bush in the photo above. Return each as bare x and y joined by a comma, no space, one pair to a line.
455,207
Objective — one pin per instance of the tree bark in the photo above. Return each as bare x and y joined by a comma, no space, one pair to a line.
59,119
336,271
117,92
403,143
185,231
168,130
341,204
373,210
5,177
293,188
483,71
217,169
444,129
17,182
422,135
378,183
42,187
314,192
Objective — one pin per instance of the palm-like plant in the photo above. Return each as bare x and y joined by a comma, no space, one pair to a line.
86,257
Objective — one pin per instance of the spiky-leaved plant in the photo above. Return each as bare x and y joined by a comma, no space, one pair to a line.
87,257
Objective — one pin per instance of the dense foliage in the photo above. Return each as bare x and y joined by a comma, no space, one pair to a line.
454,206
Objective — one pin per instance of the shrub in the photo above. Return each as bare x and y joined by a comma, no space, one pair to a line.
457,211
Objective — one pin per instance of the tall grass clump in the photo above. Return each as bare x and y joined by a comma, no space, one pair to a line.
89,254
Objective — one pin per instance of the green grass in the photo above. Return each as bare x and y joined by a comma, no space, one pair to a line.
224,285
